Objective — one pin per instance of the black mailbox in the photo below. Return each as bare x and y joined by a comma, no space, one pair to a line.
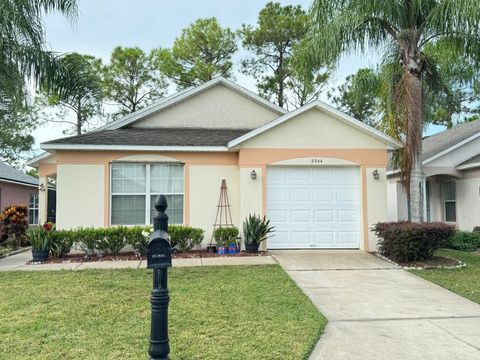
159,253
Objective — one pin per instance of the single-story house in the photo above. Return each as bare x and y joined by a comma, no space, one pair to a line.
318,174
18,188
451,191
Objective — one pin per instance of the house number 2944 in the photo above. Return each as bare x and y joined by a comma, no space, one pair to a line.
316,161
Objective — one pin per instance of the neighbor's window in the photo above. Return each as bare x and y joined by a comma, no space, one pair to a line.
450,195
135,188
33,209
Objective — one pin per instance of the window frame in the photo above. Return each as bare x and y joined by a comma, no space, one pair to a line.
36,201
147,192
445,201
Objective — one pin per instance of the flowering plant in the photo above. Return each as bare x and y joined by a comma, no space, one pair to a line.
41,237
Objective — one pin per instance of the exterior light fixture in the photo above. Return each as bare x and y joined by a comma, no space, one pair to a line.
376,174
253,175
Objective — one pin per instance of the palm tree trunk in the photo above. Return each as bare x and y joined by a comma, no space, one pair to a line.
414,144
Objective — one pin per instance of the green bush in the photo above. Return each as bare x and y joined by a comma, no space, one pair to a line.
62,242
225,235
113,240
138,237
464,241
406,241
184,238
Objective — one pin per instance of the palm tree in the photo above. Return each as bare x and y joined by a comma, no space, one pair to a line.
400,29
22,45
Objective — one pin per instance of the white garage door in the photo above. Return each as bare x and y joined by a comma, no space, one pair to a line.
314,207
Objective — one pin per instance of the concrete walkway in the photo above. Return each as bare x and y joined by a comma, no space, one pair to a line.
19,262
378,311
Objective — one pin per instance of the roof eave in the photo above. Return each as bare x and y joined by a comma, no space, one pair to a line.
90,147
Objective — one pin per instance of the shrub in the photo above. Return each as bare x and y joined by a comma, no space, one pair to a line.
256,229
225,235
406,241
184,238
138,237
14,224
62,242
465,241
113,240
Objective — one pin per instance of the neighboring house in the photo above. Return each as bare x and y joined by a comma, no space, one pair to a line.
18,188
317,174
451,163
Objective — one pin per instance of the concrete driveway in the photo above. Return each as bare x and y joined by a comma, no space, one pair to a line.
378,311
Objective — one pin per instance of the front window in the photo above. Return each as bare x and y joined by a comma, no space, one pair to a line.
135,188
450,195
33,209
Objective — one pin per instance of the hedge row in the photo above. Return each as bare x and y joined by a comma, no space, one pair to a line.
465,241
113,240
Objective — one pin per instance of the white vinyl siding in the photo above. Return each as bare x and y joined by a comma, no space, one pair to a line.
135,188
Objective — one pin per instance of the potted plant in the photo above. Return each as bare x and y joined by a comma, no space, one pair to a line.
41,240
225,237
255,230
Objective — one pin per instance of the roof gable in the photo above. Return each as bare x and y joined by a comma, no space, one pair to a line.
331,112
218,103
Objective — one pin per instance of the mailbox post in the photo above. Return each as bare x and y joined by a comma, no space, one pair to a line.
159,259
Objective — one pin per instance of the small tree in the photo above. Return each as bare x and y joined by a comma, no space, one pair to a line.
278,62
131,81
203,51
83,97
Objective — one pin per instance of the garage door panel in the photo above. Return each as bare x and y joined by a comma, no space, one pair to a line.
323,194
325,237
300,194
346,194
324,216
347,216
314,207
300,216
278,216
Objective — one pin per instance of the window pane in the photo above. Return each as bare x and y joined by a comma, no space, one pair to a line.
450,193
166,179
128,178
174,209
128,209
450,212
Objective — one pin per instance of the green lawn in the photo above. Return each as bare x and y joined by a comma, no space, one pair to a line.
250,312
464,281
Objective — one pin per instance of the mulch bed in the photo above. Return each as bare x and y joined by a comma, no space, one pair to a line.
194,254
436,261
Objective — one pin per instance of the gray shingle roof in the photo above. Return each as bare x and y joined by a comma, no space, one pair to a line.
9,173
442,141
155,137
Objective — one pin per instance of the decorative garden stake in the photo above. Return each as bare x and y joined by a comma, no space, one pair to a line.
159,259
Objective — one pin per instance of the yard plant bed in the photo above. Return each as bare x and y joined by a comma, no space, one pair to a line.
464,281
436,262
194,254
242,312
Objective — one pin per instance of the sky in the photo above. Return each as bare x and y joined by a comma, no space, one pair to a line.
105,24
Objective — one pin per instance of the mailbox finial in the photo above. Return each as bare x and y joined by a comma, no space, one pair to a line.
160,219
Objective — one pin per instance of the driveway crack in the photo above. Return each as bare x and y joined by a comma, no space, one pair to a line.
454,336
